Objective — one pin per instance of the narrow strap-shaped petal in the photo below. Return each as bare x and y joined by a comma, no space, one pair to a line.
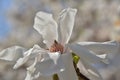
66,23
12,53
101,47
47,27
69,73
30,70
84,53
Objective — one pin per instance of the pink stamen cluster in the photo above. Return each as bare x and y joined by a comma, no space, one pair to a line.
56,47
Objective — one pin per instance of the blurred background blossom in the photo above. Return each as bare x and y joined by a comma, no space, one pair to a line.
95,21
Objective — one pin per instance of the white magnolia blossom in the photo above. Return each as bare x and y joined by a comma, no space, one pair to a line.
56,59
99,61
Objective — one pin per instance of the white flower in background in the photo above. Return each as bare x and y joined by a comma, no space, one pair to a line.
95,68
57,59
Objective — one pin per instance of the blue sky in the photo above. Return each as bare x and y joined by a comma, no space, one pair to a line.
4,26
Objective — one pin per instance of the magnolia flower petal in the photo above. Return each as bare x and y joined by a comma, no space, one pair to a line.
44,67
30,70
69,73
31,53
23,60
50,66
47,27
82,68
12,53
101,47
100,70
31,75
107,50
57,58
88,59
84,53
66,23
92,72
108,71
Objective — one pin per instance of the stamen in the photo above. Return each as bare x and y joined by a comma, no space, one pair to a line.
56,47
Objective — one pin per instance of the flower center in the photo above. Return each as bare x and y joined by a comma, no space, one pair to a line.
56,47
